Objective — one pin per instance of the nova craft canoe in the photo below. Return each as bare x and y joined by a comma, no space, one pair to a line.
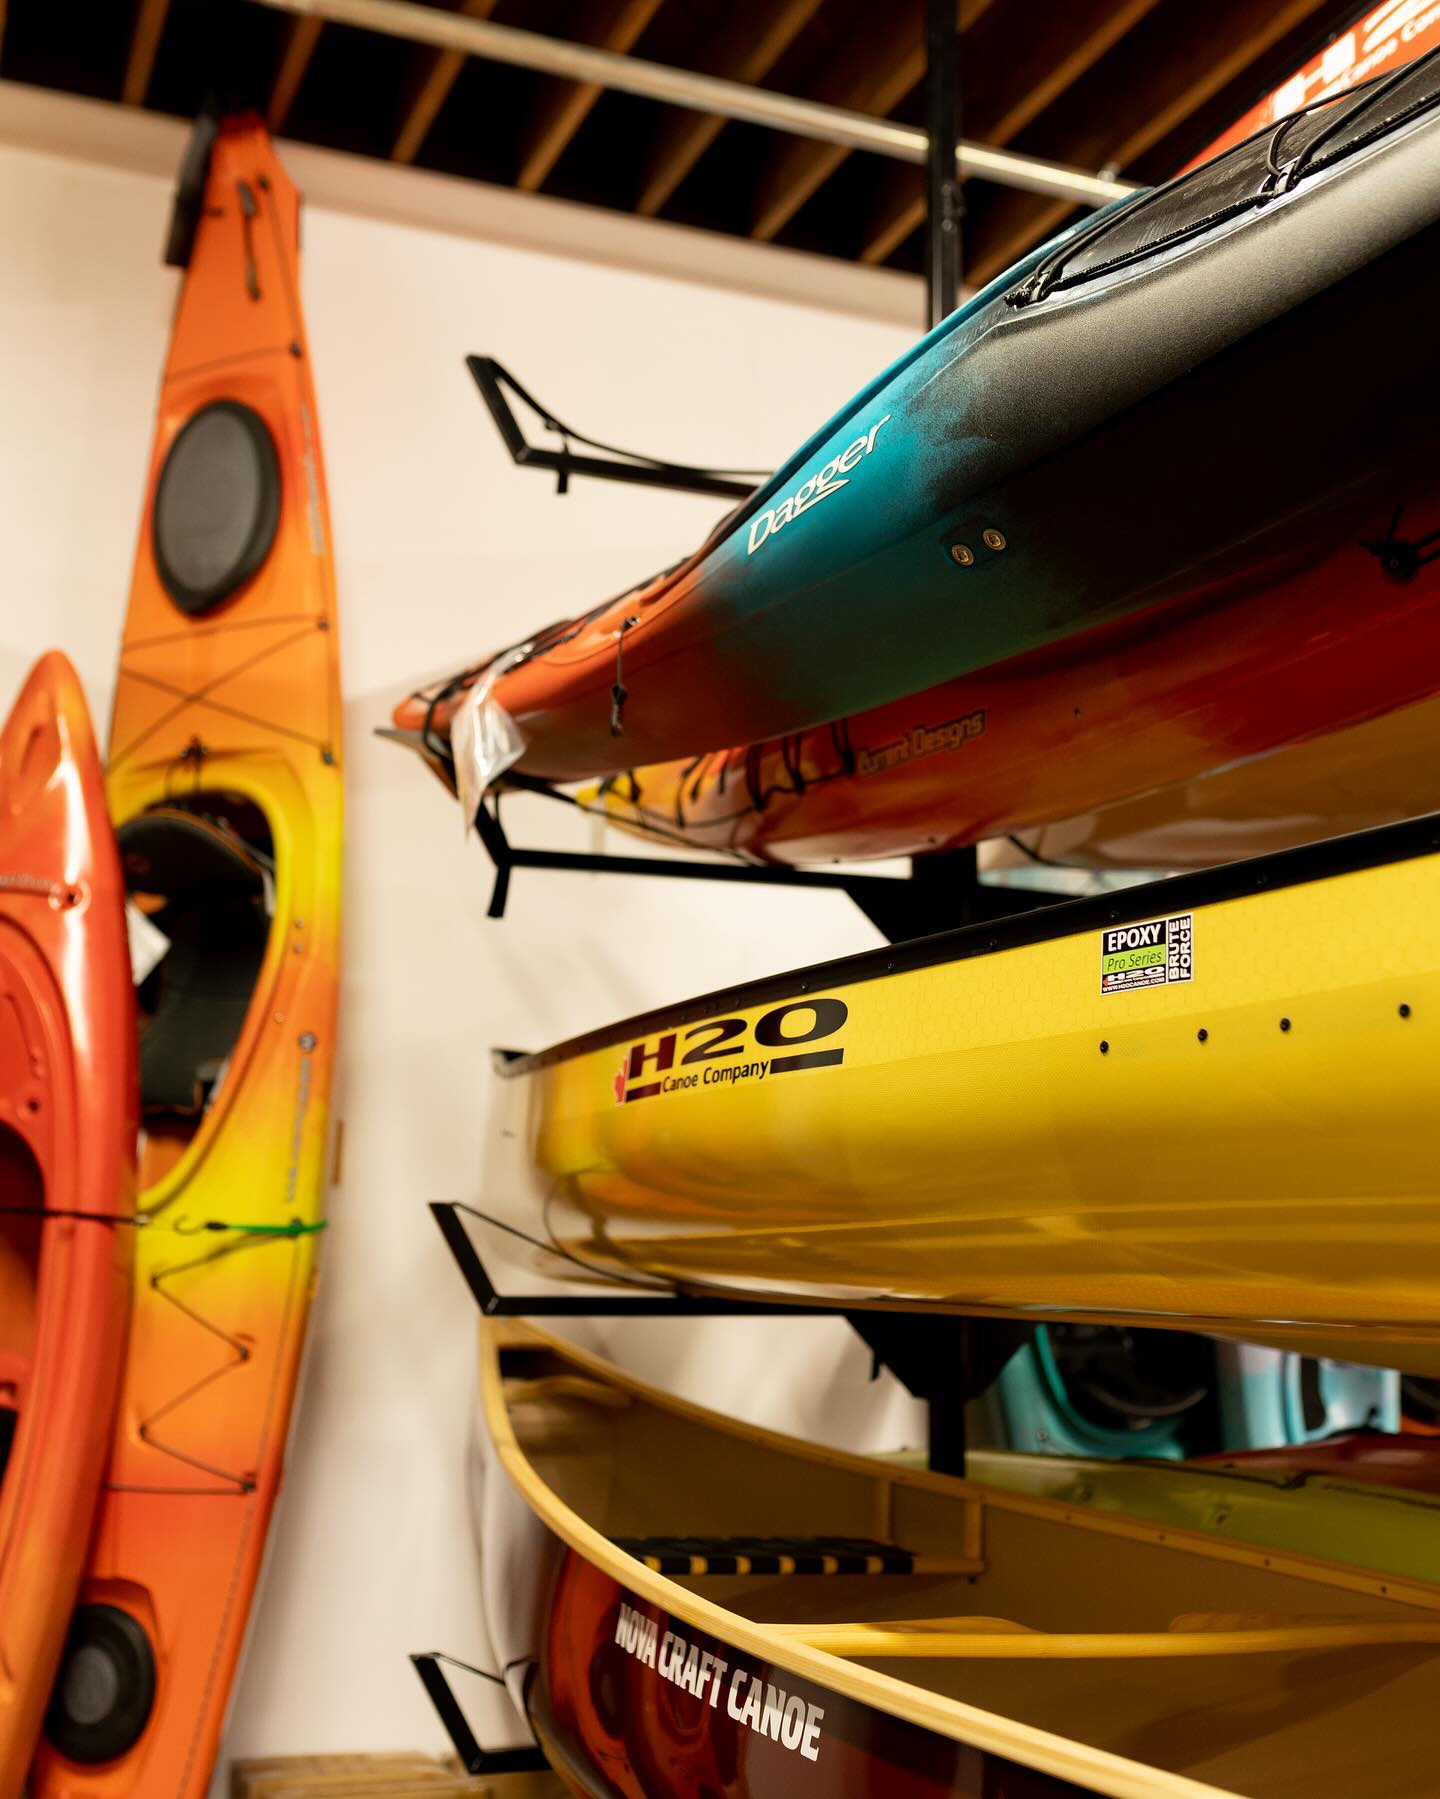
1025,1116
1130,416
225,786
698,1606
67,1178
1371,774
1120,711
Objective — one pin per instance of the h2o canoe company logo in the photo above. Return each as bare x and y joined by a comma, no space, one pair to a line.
766,525
698,1058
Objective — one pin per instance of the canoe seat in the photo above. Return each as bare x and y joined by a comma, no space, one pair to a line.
216,919
767,1555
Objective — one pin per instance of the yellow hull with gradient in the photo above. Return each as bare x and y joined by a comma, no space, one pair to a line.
1037,1116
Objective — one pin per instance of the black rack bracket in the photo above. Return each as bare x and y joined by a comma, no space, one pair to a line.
619,465
647,1302
473,1758
942,892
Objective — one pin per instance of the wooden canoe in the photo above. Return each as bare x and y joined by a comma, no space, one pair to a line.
719,1609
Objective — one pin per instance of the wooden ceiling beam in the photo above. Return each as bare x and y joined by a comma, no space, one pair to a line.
1198,53
612,25
144,42
1024,85
434,75
739,55
868,75
301,37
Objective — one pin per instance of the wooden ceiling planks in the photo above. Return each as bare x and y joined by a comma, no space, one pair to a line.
1151,82
435,72
1031,72
144,42
745,49
873,74
564,106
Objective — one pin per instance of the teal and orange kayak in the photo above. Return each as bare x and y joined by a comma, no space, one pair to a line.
1131,417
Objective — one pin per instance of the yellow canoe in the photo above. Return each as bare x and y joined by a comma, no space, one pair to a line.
1206,1103
694,1605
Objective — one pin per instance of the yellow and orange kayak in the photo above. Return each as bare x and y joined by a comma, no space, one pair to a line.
67,1177
225,787
1371,774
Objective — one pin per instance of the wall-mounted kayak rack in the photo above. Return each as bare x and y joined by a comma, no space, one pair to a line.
942,891
936,1356
630,466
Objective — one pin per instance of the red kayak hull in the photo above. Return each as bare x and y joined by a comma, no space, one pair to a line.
68,1118
1375,1458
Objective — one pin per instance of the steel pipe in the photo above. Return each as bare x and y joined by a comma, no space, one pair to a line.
701,93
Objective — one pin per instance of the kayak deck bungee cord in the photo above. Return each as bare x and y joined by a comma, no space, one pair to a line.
67,1178
973,1120
1125,709
683,1602
225,782
967,506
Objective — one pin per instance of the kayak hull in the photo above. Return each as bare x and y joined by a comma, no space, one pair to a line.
976,1120
1348,780
226,728
1125,710
964,508
67,1147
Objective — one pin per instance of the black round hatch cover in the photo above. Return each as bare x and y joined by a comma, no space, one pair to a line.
217,505
105,1688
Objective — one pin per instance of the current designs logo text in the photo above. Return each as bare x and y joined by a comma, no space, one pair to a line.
831,479
697,1058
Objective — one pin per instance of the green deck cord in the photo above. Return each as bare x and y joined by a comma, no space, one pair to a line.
293,1227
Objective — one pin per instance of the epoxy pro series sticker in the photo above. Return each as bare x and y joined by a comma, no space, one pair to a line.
1154,954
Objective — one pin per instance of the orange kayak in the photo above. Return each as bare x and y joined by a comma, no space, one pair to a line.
1205,685
225,786
67,1177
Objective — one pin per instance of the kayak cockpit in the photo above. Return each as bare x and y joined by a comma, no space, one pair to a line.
200,875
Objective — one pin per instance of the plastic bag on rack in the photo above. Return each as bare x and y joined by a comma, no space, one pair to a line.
484,739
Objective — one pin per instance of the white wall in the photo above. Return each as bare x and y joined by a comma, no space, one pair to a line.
444,550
